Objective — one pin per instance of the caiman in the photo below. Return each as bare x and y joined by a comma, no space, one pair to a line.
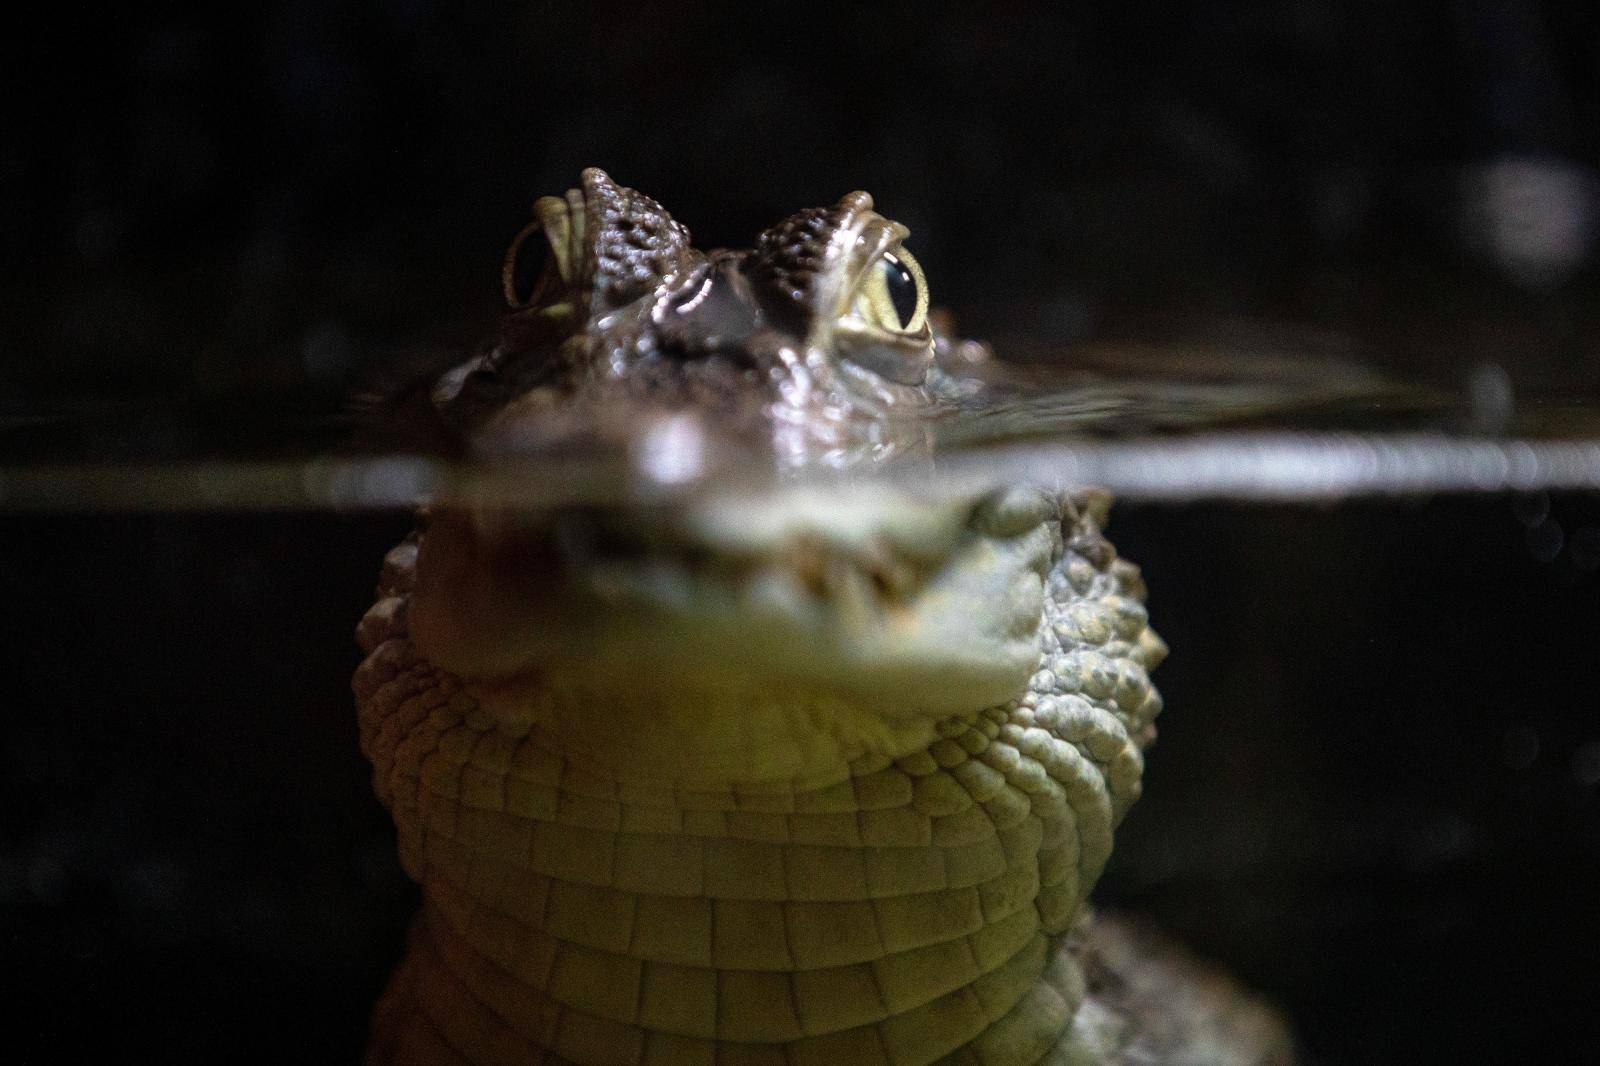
816,777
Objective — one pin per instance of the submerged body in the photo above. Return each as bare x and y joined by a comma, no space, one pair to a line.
823,776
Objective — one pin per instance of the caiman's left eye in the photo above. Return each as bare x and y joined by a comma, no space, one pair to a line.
524,268
904,291
892,294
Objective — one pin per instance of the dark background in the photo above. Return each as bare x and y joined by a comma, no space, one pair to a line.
1375,792
259,200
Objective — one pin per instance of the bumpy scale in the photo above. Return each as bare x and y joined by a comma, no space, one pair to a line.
918,911
820,781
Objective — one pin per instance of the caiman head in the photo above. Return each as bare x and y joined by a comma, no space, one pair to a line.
816,342
727,637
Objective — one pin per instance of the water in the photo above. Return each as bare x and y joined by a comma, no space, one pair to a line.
1146,424
1376,795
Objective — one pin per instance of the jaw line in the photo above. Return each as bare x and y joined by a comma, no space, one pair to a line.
780,594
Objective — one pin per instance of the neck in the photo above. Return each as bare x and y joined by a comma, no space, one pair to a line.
722,735
916,901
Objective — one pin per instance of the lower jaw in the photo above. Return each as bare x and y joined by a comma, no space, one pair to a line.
723,734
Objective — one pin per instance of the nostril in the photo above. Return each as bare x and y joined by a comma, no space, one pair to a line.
823,570
808,561
892,577
880,583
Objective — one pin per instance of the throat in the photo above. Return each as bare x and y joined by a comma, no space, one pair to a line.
718,871
714,735
917,900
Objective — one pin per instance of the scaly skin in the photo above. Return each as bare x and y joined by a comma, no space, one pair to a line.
914,910
823,776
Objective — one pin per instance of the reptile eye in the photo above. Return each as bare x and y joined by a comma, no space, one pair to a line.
884,327
525,266
902,285
892,294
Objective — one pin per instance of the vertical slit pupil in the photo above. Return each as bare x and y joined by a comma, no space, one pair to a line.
528,268
902,287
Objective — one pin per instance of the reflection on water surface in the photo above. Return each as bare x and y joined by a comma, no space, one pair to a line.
1143,423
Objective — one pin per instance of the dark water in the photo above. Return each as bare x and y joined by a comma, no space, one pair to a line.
1376,794
1178,423
1375,797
